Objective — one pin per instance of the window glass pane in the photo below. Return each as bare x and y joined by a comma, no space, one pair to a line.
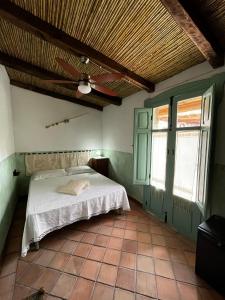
158,159
189,112
160,117
186,164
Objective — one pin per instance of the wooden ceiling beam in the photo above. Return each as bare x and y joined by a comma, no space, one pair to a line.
198,32
23,66
42,91
43,30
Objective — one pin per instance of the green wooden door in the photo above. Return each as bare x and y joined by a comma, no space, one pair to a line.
204,149
180,193
142,143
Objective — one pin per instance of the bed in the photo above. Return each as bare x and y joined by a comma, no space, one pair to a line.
48,210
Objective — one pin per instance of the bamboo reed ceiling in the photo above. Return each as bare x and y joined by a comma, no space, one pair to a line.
139,34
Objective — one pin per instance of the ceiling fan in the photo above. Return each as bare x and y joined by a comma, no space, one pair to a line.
85,83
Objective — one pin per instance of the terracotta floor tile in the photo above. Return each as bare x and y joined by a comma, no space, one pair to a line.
6,285
115,243
118,232
177,255
185,274
132,218
52,243
158,240
123,295
108,274
145,264
47,280
106,230
32,255
122,217
128,260
64,286
164,268
161,252
145,249
130,235
142,297
126,279
188,291
144,220
90,269
45,257
21,292
190,257
21,266
74,265
69,247
146,284
131,225
120,224
9,264
97,253
109,222
167,289
102,240
102,292
143,227
156,229
112,256
173,242
83,289
137,261
89,238
93,228
31,274
59,261
144,237
83,250
129,246
75,235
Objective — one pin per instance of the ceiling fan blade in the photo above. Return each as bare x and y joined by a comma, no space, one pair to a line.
60,81
107,77
104,89
78,94
68,68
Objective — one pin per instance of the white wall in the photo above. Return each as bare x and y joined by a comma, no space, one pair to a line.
33,111
118,121
6,127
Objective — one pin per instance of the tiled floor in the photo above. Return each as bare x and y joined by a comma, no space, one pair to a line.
122,257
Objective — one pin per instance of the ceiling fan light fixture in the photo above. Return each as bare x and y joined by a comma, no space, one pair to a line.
84,87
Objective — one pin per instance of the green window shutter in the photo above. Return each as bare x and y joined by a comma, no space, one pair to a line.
142,145
204,148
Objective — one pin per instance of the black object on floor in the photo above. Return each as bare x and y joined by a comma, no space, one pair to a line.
210,252
39,295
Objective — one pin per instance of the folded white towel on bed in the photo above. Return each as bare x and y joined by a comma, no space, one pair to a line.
74,187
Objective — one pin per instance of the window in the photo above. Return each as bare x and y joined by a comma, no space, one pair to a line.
187,148
175,160
159,146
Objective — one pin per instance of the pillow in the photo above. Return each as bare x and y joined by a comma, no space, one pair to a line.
79,170
48,174
74,187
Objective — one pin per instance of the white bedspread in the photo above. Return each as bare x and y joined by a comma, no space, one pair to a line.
48,210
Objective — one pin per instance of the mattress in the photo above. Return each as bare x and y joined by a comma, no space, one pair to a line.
48,210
